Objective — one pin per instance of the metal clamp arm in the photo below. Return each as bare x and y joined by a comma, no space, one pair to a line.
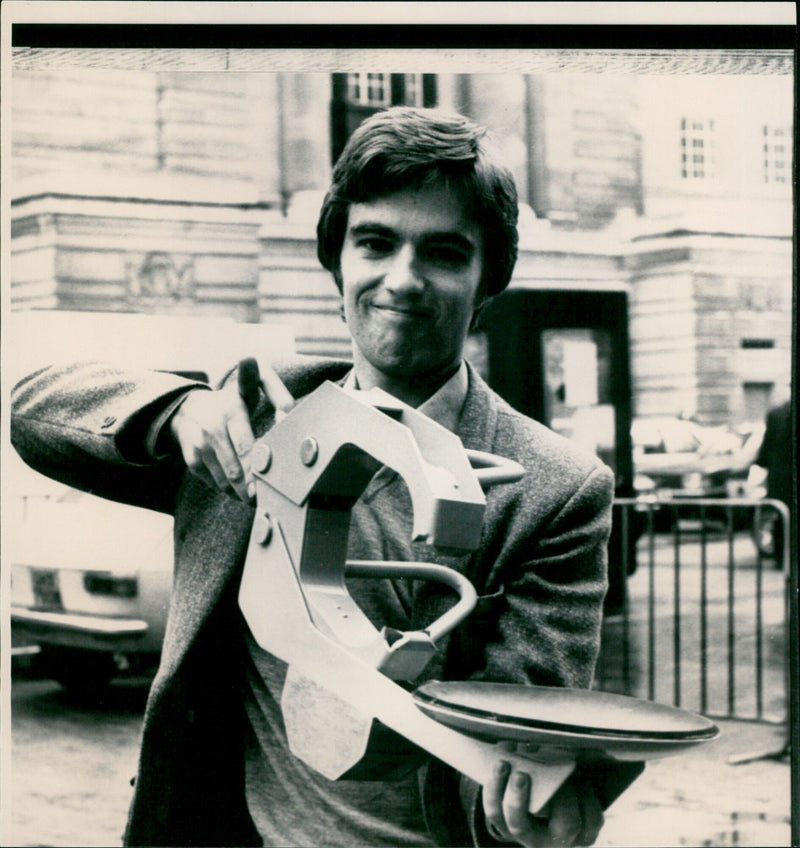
316,449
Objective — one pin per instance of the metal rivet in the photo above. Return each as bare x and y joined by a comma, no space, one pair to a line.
262,529
309,450
262,458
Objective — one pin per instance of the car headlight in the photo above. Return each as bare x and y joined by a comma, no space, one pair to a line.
694,481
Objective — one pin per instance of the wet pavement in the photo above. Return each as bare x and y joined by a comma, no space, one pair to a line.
699,798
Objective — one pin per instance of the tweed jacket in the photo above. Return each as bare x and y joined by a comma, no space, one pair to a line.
540,573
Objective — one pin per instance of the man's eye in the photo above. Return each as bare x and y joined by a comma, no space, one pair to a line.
445,255
376,245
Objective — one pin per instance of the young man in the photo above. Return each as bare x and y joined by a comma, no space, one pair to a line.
418,231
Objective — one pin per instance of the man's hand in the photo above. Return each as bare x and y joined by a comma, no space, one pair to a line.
213,431
573,815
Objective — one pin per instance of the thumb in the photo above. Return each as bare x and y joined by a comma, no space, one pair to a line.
251,378
249,383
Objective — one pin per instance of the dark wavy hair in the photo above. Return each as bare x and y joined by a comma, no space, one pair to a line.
405,147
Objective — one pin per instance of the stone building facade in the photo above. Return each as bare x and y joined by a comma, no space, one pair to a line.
188,183
711,324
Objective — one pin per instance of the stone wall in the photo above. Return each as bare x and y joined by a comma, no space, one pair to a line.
130,256
710,314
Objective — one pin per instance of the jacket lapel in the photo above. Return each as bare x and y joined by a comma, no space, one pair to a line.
477,425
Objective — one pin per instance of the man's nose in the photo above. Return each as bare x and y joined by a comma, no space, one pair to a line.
404,277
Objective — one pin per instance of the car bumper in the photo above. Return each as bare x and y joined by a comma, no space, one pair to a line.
668,494
81,631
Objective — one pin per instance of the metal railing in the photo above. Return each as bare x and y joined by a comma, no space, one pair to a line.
709,619
704,621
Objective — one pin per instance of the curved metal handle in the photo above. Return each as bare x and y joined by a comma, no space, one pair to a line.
467,596
491,469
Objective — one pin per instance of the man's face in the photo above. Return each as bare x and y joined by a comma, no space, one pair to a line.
411,265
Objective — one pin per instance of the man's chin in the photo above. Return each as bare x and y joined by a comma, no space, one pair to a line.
417,371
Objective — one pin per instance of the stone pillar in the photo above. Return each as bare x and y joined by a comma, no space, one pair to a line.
498,102
305,147
710,313
296,291
32,278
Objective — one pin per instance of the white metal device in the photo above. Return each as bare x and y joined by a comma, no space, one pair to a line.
310,468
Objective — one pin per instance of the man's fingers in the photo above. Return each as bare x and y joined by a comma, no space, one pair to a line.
279,396
516,801
574,814
593,818
249,382
234,474
493,792
566,818
577,815
241,438
213,456
200,460
226,441
213,431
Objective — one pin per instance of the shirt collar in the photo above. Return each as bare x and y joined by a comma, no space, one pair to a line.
444,405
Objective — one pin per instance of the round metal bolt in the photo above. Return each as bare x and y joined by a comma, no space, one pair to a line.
262,458
262,529
309,450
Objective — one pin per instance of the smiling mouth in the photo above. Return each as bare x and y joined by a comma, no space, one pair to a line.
403,311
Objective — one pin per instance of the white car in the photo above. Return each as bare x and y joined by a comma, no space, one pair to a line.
680,459
90,578
90,581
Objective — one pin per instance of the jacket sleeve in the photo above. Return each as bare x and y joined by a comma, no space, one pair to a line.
90,425
541,577
541,615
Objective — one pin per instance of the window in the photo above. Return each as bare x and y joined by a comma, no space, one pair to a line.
414,90
757,344
697,148
369,89
358,95
777,163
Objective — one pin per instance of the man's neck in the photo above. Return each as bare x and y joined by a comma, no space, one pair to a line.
413,390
